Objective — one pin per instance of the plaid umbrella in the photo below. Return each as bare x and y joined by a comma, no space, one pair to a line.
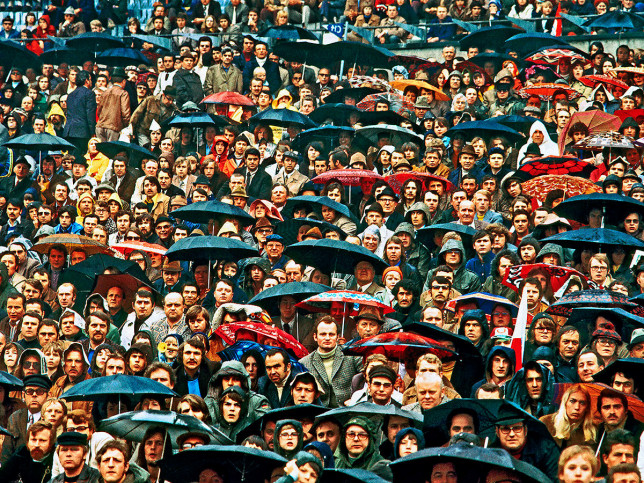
323,302
593,298
397,180
398,346
596,121
556,165
608,80
262,332
72,242
396,102
128,247
348,177
540,186
546,91
610,139
557,275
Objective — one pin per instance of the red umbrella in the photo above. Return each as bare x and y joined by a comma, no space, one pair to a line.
128,247
597,122
326,301
347,177
637,114
262,334
230,98
606,80
126,282
399,346
397,180
546,91
552,56
396,101
557,165
556,275
540,186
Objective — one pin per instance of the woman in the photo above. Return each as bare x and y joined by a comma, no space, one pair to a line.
10,357
209,25
521,9
573,424
539,136
220,154
578,464
101,355
412,192
45,28
382,163
53,354
288,438
54,411
408,441
254,365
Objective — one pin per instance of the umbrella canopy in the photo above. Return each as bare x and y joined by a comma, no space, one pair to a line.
204,211
210,247
398,346
102,388
396,101
485,301
304,52
133,425
546,91
39,142
63,54
198,119
283,118
485,129
122,57
329,136
359,53
240,464
71,242
593,298
10,382
324,300
369,81
337,475
609,139
555,165
332,255
397,180
14,54
461,344
316,202
518,123
597,122
83,275
614,207
371,411
555,275
299,412
126,282
600,239
290,228
540,186
288,32
94,42
552,55
336,112
427,234
630,366
528,42
260,333
616,20
585,320
397,135
492,38
134,152
127,247
348,177
357,93
496,58
269,299
607,80
228,98
402,84
236,351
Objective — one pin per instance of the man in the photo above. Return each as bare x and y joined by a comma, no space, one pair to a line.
32,462
589,363
439,292
28,337
225,76
365,273
80,124
380,386
532,388
258,182
429,392
114,108
159,108
499,367
66,298
15,185
26,265
274,251
187,82
277,383
389,32
292,322
618,447
290,176
170,280
71,450
174,321
613,408
305,389
625,472
113,464
122,179
15,310
193,372
98,324
406,304
336,380
75,367
567,347
261,60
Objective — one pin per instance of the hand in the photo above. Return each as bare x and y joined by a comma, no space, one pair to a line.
291,467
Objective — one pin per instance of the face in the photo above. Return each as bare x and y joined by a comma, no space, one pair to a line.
473,330
356,440
429,394
304,393
113,466
74,364
577,470
619,453
512,437
231,410
276,368
576,407
381,389
444,473
39,444
569,344
534,383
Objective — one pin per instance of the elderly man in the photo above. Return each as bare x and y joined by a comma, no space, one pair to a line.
174,321
429,392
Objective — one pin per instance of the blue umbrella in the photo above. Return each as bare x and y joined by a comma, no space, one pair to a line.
122,57
397,135
615,207
211,248
485,129
598,238
518,123
14,54
616,20
327,135
102,388
283,118
288,32
10,382
239,348
426,234
529,41
59,54
493,37
269,299
204,211
198,119
317,202
39,142
95,41
331,256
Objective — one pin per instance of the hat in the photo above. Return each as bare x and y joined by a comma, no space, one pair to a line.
468,149
508,416
532,109
533,148
496,150
358,158
307,378
78,320
275,237
388,191
313,233
400,162
131,67
261,223
80,160
383,371
202,179
377,207
155,126
190,434
501,333
172,267
69,11
227,227
178,201
72,438
405,228
544,353
631,174
391,269
38,380
189,106
119,73
608,331
422,103
21,160
371,313
637,337
503,73
165,219
104,187
291,154
240,192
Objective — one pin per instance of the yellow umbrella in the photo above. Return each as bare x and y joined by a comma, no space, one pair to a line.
401,84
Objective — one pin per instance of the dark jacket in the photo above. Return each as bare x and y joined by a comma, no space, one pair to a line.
260,185
496,350
87,475
516,391
81,113
181,386
21,467
188,86
266,387
272,74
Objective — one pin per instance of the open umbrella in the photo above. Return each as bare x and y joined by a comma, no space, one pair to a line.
398,346
337,475
228,98
126,282
555,165
283,118
552,55
616,20
597,122
39,142
528,42
485,129
358,53
555,274
540,186
290,228
631,366
94,42
357,93
492,37
600,239
607,80
122,57
204,211
395,99
369,81
348,177
593,298
637,114
316,202
304,52
102,388
427,234
614,207
397,135
402,84
373,412
127,247
10,382
635,404
459,343
328,135
14,54
288,32
238,349
260,333
63,54
269,299
304,413
585,320
485,301
518,123
337,113
397,180
609,139
211,248
198,120
323,301
134,152
240,464
83,275
546,91
496,58
71,242
331,256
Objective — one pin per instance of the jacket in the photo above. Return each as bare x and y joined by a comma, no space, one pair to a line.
181,386
266,387
188,86
21,467
81,113
260,185
515,391
87,475
464,280
369,459
337,390
114,109
220,80
151,109
272,74
540,452
294,181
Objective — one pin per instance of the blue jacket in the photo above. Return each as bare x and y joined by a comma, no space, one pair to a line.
74,228
481,268
81,113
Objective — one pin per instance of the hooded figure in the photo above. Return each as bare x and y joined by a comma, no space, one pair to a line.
551,249
31,352
232,428
140,348
97,162
288,425
6,289
517,391
493,284
370,459
630,122
417,433
464,280
495,351
478,316
323,450
302,458
51,128
547,146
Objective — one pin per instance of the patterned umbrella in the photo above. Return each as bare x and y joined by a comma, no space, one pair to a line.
593,298
128,247
552,56
369,81
348,177
398,346
601,140
629,69
351,300
258,332
239,348
546,91
557,275
397,180
608,80
396,102
229,98
485,301
556,165
438,94
72,242
540,186
596,121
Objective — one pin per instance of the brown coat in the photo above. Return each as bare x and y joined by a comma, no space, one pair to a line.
374,21
114,109
59,388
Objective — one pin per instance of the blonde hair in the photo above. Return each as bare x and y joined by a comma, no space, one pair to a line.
572,451
563,426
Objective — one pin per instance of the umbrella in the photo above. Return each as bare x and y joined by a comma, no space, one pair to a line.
485,301
597,122
94,41
608,80
396,101
269,299
337,475
555,165
264,332
71,242
126,282
630,366
635,404
398,346
240,464
357,93
318,202
337,113
540,186
492,38
371,118
484,129
637,114
210,247
546,91
553,54
359,53
122,57
427,233
370,81
373,412
290,228
397,180
585,320
518,123
127,247
198,120
397,135
134,152
556,275
402,84
63,54
593,298
323,302
203,211
530,41
413,63
228,98
331,256
459,343
10,382
133,425
348,177
614,207
304,413
238,349
600,239
283,118
496,58
327,135
616,20
102,388
83,275
39,142
601,140
304,52
288,32
14,54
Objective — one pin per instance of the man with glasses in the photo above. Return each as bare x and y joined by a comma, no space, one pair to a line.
26,266
192,439
359,445
599,270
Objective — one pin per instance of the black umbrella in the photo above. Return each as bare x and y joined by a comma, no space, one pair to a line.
63,54
357,93
269,299
14,54
600,239
614,207
489,37
204,211
518,123
210,247
527,42
135,153
94,42
283,118
397,135
616,20
461,344
238,464
288,32
83,275
39,142
198,120
584,319
122,57
316,202
630,366
427,233
336,112
375,412
289,229
496,58
329,136
10,382
486,129
298,412
310,53
337,475
133,387
332,256
359,53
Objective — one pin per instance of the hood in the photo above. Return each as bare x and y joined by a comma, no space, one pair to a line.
404,432
232,308
479,316
515,389
630,122
418,206
263,263
304,457
282,105
142,348
95,297
548,249
56,109
117,198
244,405
4,274
39,354
601,87
228,368
539,126
78,320
452,245
368,457
502,350
324,450
300,441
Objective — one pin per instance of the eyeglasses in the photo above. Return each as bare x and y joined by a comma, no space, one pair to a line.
606,341
543,329
289,435
130,237
35,392
516,429
386,385
359,436
599,269
77,429
190,445
30,365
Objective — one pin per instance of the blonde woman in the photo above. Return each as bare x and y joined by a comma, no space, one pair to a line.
573,423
